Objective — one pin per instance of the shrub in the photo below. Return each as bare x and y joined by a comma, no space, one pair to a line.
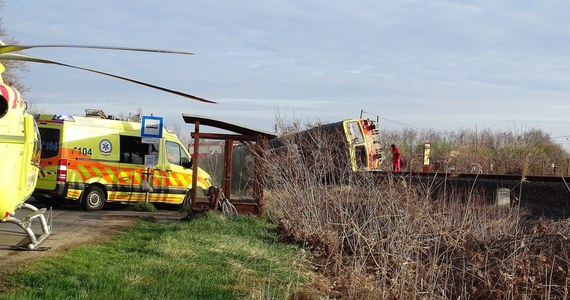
483,150
392,239
143,206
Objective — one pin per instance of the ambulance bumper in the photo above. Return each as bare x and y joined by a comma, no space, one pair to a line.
59,191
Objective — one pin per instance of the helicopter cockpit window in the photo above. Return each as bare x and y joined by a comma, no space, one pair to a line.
50,142
37,146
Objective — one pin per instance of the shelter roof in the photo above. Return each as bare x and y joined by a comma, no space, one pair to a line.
233,127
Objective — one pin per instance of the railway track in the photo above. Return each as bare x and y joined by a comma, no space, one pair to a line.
482,176
543,196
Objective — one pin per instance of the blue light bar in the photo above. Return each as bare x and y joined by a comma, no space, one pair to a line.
63,118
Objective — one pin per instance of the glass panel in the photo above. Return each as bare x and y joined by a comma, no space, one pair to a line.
133,150
173,152
50,142
355,133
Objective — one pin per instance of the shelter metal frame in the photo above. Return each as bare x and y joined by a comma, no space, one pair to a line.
242,134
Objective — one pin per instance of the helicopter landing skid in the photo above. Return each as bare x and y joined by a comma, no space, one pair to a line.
26,223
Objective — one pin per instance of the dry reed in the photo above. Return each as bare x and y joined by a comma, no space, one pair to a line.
392,239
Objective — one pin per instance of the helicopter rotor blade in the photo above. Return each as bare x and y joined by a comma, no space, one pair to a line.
12,56
14,48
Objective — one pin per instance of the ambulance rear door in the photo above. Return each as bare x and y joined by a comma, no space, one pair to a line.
51,134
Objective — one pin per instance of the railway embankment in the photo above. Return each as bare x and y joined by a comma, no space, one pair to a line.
541,196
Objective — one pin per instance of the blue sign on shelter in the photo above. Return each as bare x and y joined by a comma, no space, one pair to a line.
151,127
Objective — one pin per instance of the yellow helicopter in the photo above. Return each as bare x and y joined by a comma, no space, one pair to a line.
20,141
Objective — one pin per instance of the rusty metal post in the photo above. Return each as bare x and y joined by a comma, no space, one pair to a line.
257,173
195,162
228,153
427,155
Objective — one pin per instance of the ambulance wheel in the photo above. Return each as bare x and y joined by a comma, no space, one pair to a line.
93,198
187,202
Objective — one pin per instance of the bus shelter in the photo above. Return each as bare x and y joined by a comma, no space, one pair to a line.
255,140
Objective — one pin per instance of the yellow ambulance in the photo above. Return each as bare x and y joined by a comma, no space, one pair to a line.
95,160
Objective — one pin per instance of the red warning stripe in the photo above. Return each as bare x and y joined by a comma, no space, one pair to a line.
11,94
5,94
17,97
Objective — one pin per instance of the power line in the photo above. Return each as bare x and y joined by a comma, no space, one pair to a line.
397,122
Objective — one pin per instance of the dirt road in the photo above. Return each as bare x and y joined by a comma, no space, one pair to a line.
72,226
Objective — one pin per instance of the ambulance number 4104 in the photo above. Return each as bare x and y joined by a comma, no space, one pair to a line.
81,150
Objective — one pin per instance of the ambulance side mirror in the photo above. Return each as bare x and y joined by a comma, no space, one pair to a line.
185,163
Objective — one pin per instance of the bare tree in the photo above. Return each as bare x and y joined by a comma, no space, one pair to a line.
13,68
466,150
178,130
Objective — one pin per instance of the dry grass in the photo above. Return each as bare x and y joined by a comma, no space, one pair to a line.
392,240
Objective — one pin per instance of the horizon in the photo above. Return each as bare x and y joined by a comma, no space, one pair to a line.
437,65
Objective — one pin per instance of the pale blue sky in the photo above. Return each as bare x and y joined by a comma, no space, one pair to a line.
428,64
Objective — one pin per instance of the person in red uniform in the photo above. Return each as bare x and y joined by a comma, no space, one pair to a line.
395,158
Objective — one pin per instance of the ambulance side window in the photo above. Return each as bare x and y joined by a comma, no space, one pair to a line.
175,154
133,150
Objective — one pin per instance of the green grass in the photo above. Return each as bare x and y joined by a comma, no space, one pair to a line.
207,257
143,206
